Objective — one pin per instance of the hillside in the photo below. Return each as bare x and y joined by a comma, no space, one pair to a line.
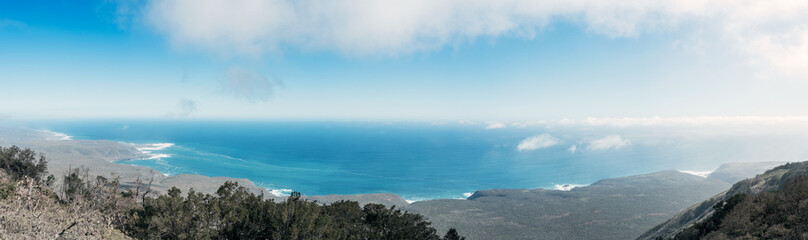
618,208
780,214
772,180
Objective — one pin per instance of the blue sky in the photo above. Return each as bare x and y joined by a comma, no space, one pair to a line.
382,60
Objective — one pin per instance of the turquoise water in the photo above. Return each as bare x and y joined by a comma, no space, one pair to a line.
415,160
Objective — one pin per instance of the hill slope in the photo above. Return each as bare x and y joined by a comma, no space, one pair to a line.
781,214
769,181
618,208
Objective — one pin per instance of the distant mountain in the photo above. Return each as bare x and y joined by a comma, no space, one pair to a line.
734,172
770,181
617,208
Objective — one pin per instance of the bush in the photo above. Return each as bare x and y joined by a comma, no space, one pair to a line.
7,189
21,163
235,213
453,235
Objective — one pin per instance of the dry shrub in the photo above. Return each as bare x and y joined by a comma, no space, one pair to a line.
33,211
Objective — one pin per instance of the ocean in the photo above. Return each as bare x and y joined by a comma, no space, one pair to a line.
426,160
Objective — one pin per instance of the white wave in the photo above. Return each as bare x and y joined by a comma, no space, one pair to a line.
219,155
567,187
148,149
154,146
281,192
56,136
467,194
703,174
158,156
409,201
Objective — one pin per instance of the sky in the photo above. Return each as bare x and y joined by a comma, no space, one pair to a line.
421,60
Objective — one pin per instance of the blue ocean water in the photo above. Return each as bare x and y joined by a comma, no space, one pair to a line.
415,160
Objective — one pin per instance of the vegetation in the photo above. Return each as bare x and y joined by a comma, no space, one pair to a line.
21,163
32,210
235,213
84,207
781,214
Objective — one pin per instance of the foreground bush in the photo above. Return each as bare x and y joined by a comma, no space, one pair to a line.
235,213
19,163
32,211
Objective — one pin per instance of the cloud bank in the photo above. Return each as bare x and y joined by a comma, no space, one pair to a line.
770,34
672,122
536,142
611,142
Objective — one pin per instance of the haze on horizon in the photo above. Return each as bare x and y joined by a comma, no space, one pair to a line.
636,62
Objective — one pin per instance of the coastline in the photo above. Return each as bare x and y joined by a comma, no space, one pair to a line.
118,153
639,200
152,152
64,151
103,158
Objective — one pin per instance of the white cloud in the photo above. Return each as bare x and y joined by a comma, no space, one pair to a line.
466,122
185,108
495,125
249,85
769,34
12,24
573,149
536,142
609,142
528,123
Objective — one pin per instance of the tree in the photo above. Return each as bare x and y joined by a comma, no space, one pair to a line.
21,163
235,213
453,235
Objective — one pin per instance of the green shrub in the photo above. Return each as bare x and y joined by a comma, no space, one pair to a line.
7,190
20,163
235,213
